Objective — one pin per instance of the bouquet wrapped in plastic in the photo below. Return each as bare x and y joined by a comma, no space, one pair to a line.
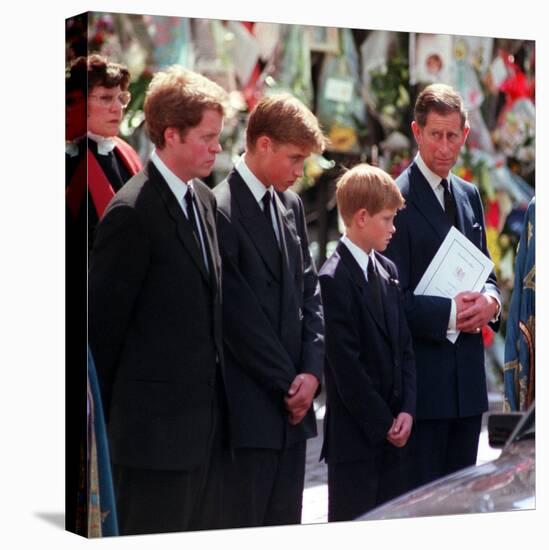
340,106
290,68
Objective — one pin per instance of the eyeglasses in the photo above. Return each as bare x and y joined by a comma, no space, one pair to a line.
106,100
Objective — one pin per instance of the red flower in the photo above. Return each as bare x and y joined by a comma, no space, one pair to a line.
487,336
492,213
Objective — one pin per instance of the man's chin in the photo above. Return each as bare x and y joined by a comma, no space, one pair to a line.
382,246
443,169
281,187
204,173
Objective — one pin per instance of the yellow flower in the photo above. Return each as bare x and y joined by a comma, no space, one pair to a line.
493,244
342,139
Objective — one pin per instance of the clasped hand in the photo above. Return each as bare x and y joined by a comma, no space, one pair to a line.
474,310
400,430
300,397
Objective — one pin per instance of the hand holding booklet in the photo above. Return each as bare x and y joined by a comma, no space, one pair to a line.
458,266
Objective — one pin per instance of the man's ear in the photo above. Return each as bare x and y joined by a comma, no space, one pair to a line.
360,217
466,130
172,135
263,144
415,130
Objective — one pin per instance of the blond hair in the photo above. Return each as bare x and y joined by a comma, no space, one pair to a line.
369,187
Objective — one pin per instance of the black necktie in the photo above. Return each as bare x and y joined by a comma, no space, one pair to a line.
116,170
449,205
189,199
267,211
373,285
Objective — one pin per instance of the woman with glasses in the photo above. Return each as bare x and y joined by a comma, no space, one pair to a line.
98,164
111,162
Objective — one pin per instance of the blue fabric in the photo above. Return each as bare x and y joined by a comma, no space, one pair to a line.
105,497
519,368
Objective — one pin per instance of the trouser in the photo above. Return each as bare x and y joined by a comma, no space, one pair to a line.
161,501
442,446
357,487
264,487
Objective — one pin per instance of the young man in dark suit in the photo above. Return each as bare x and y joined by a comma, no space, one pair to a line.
370,371
155,317
273,327
451,380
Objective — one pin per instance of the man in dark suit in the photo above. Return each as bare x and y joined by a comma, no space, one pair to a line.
370,371
155,317
273,326
451,384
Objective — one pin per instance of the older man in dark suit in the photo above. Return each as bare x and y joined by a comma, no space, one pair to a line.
155,317
451,381
273,327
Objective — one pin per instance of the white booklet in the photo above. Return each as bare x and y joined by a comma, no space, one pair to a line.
458,266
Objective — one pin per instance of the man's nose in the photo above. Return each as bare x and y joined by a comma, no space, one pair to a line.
298,170
444,144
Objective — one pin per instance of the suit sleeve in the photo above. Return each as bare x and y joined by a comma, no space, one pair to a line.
352,382
118,265
491,284
409,389
246,330
428,316
312,355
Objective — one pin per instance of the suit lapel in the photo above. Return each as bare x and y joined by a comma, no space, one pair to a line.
422,196
289,246
389,301
208,223
290,240
254,222
358,277
183,226
463,207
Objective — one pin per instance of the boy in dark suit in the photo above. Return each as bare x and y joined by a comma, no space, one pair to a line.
273,329
370,369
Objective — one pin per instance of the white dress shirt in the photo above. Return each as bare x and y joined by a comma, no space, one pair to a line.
179,188
361,257
258,190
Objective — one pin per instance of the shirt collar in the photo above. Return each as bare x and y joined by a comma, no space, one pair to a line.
433,179
250,179
176,184
72,148
104,144
359,255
